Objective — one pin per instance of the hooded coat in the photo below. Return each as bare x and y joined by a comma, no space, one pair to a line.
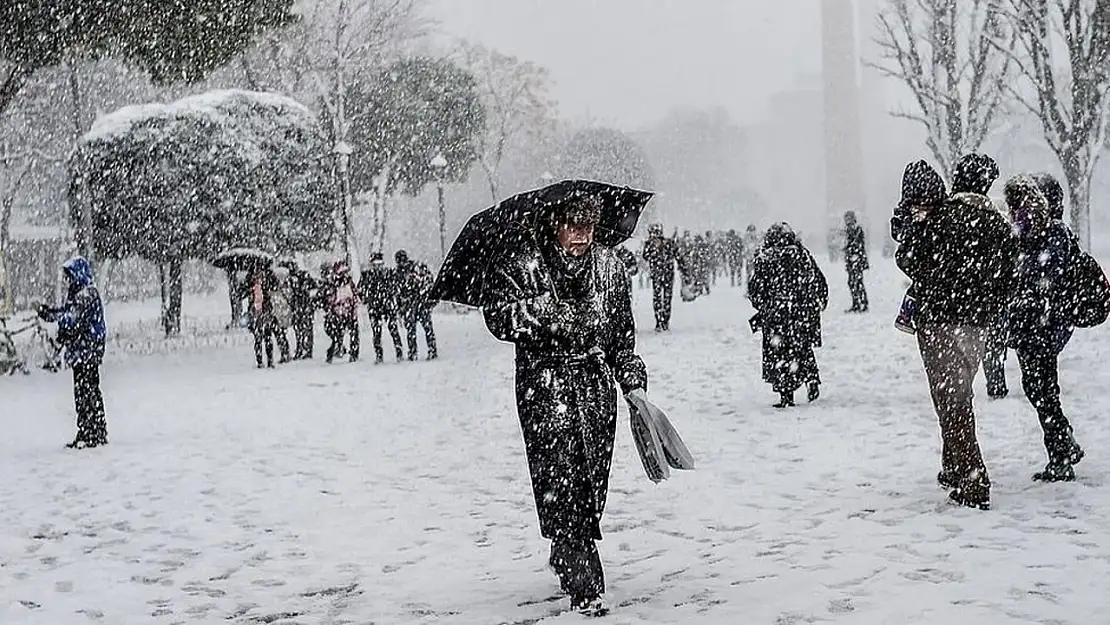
789,291
80,318
1040,320
571,322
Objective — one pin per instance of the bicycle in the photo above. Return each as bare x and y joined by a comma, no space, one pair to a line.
37,346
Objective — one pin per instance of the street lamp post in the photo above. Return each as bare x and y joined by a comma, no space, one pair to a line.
343,153
440,165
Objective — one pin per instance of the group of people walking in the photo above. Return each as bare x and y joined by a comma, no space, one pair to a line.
984,280
1011,275
978,272
698,260
288,296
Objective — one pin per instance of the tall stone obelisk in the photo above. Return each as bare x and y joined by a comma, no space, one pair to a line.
844,164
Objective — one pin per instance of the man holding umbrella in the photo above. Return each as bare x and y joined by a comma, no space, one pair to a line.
564,300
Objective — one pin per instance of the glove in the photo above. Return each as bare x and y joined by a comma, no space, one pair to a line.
44,312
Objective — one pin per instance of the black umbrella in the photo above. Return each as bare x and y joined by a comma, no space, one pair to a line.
242,259
517,221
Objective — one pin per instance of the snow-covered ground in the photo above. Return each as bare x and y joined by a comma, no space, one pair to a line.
399,493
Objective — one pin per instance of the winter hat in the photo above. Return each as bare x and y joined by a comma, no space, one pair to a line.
577,211
1053,193
1028,206
974,173
922,185
779,235
377,257
401,257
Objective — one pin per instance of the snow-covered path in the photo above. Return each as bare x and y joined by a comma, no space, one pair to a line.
399,493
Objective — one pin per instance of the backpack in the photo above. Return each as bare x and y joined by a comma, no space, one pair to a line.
1089,291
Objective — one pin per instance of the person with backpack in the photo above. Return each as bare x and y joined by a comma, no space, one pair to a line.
1040,319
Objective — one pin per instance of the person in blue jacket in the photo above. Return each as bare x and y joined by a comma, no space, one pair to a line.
81,331
1040,324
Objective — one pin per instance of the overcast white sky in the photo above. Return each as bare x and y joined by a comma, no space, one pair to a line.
627,62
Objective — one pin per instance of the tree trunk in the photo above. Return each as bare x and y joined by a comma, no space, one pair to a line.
170,277
1079,194
385,220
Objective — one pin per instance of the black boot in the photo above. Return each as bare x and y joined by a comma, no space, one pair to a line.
1060,469
786,400
947,480
813,391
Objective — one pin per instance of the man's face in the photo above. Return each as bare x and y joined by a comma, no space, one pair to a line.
576,239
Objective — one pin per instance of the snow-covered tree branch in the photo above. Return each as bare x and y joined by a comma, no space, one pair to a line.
945,52
514,95
1062,51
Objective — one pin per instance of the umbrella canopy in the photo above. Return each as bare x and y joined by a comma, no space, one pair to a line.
518,221
242,259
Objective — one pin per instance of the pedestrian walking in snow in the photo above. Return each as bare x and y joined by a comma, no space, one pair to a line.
976,173
572,342
661,256
81,330
283,313
302,295
734,257
261,287
855,262
414,284
340,298
1040,323
789,293
960,256
378,289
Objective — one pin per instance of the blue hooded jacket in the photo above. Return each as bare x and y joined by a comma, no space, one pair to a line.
80,319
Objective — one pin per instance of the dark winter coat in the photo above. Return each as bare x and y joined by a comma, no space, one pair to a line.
661,254
960,258
1039,314
789,292
80,318
302,288
414,283
855,249
575,336
378,290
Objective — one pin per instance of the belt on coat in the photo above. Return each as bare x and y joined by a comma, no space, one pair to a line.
594,357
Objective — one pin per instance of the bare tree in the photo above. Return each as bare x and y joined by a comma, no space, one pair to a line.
336,44
946,53
518,108
1063,55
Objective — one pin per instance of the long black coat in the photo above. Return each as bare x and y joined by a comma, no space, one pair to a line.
574,338
789,291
